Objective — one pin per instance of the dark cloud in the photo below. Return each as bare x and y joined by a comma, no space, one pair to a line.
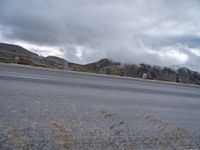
162,32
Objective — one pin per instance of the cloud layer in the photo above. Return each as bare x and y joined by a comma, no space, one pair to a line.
159,32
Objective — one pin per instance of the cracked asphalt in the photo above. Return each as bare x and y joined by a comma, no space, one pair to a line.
56,110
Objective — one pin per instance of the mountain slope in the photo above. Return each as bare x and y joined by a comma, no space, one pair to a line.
16,54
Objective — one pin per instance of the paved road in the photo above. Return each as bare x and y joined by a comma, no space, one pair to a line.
52,109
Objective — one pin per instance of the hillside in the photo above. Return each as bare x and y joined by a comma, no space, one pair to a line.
16,54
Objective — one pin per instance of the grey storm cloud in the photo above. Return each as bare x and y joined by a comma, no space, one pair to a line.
158,32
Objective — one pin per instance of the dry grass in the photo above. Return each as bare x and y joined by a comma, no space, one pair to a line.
63,138
20,142
104,113
168,135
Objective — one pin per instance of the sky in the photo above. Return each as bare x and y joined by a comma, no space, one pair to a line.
157,32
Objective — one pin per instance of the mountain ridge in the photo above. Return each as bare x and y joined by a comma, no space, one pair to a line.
10,53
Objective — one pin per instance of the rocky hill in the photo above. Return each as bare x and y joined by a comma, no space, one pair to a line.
16,54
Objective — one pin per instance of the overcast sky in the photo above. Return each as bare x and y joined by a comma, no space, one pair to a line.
158,32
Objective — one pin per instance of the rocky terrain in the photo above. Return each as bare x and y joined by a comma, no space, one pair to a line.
16,54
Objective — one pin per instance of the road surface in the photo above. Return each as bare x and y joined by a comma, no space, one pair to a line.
54,109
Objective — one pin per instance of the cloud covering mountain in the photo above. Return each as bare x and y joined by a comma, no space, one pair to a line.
163,32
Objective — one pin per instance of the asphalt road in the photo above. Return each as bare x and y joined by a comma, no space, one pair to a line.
52,109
